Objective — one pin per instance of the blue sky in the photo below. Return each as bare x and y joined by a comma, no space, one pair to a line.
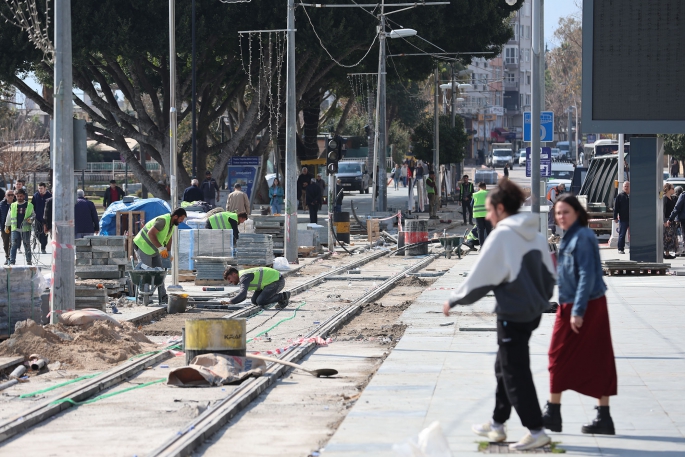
554,9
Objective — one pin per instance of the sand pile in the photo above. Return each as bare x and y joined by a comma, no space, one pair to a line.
95,346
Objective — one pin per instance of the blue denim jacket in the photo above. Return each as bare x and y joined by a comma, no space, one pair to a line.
579,269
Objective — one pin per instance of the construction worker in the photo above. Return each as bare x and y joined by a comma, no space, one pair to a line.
555,191
153,242
226,220
430,190
479,213
19,224
266,283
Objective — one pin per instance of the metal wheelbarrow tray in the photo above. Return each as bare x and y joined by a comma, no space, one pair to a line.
146,282
451,244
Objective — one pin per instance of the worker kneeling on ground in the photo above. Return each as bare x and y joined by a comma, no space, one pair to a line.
266,283
153,242
226,220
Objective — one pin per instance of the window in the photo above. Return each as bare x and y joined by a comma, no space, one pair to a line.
527,99
528,31
510,55
516,32
510,77
526,55
528,78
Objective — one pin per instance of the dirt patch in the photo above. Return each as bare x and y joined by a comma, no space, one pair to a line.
94,346
173,324
375,323
415,281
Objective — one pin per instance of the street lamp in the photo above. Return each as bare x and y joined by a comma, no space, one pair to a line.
569,133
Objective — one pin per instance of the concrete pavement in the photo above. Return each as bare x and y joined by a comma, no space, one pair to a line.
446,373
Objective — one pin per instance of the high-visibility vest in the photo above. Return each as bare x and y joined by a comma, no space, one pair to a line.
549,193
479,203
263,276
219,221
27,215
430,189
142,241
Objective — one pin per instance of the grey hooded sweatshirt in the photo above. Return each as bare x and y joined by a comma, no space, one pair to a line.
517,265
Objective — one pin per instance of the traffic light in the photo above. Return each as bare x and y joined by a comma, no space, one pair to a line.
333,154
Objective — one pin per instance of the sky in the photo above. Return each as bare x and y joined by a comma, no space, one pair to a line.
554,9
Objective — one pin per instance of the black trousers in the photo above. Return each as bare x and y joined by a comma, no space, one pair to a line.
515,386
270,293
622,232
313,210
467,208
484,229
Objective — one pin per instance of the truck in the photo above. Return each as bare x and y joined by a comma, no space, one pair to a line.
501,154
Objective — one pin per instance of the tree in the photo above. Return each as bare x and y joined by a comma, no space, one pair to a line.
674,145
452,140
121,48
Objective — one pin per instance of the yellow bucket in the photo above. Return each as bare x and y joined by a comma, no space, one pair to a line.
222,336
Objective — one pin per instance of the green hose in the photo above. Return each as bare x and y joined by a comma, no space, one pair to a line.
101,397
42,391
278,323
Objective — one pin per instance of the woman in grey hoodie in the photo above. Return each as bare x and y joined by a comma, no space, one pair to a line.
516,264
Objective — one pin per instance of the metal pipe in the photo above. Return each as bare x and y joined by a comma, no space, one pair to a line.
173,138
535,112
290,226
382,127
18,372
62,295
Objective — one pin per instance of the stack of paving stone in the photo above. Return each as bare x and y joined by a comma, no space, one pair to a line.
20,296
90,297
209,269
255,249
203,243
271,225
101,257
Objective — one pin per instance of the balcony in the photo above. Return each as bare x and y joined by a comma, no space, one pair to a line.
511,85
511,63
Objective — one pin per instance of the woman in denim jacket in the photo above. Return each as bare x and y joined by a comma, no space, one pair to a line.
276,195
581,356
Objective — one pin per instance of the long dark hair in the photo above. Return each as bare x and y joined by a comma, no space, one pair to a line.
573,202
509,195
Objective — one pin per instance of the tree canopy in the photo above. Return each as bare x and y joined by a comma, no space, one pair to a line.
453,140
121,47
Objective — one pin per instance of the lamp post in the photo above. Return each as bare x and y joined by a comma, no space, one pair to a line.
575,153
173,138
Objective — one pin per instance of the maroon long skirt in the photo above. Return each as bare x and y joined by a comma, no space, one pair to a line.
583,362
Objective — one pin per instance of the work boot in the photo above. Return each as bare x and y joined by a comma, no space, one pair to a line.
551,417
602,425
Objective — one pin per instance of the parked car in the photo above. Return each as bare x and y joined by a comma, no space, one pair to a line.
354,176
556,153
502,157
522,157
564,150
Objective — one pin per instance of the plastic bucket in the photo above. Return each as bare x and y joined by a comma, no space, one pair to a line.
177,303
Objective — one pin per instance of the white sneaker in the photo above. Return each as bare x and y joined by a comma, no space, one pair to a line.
494,434
531,442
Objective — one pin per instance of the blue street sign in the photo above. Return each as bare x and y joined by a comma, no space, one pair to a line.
246,161
546,126
545,162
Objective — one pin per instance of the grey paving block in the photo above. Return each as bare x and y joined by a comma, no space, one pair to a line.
97,240
118,254
80,262
99,261
82,242
116,240
84,255
100,255
108,248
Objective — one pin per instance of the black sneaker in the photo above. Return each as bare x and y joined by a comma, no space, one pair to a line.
43,251
603,424
620,251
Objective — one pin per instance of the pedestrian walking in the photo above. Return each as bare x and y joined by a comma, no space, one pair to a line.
670,231
86,222
431,190
322,184
339,195
39,199
506,170
622,215
19,225
4,212
396,172
675,168
276,195
581,355
517,265
112,194
480,213
466,192
677,216
403,174
304,177
210,189
313,198
238,201
193,193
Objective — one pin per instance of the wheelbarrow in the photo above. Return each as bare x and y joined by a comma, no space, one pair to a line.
451,244
145,283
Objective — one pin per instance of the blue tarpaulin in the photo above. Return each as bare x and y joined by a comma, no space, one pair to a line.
153,207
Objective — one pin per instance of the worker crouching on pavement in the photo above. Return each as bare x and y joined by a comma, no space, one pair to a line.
266,283
153,242
226,220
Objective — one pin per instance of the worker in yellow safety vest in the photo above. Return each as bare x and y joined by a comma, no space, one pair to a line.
226,220
431,189
266,283
19,224
480,212
153,242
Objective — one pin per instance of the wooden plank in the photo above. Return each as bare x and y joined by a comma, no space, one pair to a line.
10,362
372,229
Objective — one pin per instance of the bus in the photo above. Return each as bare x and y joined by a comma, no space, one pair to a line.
606,147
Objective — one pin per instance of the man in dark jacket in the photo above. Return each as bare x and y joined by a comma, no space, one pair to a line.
47,216
210,189
304,177
85,217
622,215
313,198
193,193
113,194
339,194
38,201
4,213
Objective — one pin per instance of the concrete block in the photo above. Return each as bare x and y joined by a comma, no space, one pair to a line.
84,255
82,242
116,241
118,254
84,262
83,248
118,261
99,261
100,255
106,248
96,268
97,240
307,237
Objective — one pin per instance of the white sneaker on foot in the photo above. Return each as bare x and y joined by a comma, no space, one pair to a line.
531,442
492,433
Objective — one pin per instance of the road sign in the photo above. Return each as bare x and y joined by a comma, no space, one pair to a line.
546,126
545,162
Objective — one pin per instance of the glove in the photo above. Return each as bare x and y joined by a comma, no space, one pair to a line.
163,252
7,230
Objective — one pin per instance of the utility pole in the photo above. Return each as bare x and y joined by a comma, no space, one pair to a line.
194,101
436,134
63,257
453,113
173,139
570,128
331,196
381,136
290,247
537,102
